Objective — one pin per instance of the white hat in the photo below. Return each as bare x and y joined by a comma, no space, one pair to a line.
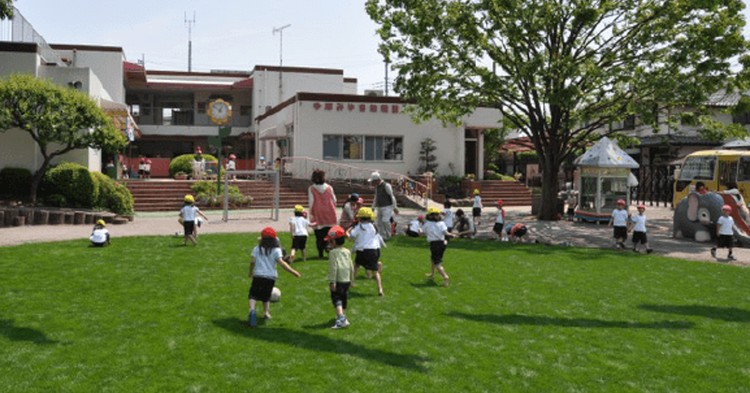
375,176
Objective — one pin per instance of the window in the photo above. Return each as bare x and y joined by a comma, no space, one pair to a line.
743,173
701,168
202,108
359,147
629,123
245,110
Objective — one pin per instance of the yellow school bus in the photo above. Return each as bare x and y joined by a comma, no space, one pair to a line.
717,169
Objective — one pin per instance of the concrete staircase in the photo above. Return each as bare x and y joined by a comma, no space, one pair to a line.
512,193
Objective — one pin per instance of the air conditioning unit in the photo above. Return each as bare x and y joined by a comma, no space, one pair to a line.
374,93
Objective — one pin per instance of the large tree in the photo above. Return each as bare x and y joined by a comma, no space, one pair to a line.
6,9
58,119
559,71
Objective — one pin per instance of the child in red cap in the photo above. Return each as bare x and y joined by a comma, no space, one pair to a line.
725,232
638,225
340,273
619,221
500,221
266,255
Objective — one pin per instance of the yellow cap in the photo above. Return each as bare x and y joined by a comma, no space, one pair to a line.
298,208
189,198
476,191
365,212
101,222
433,210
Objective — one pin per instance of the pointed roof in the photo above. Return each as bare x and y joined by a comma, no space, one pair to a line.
606,154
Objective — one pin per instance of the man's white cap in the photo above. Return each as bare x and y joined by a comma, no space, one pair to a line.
374,176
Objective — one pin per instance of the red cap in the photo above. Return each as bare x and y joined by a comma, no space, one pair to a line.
232,157
335,232
642,206
726,207
199,149
621,202
148,161
499,201
268,232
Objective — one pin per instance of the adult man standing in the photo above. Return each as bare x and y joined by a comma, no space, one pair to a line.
384,205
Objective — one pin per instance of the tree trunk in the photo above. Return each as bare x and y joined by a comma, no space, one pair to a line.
550,186
36,180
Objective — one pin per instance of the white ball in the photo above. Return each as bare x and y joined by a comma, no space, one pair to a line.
275,294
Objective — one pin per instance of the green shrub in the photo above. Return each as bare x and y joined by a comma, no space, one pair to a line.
113,196
450,186
184,163
16,183
205,194
72,181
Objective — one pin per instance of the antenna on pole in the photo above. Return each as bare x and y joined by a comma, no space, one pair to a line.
189,23
280,30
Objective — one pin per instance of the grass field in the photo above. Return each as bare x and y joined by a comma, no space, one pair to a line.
147,314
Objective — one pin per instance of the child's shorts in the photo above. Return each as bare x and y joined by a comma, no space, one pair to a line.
341,295
725,241
437,250
261,288
368,258
640,237
188,227
411,233
571,211
620,232
498,227
476,211
299,242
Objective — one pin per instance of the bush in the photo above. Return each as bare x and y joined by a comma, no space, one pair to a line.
184,163
16,183
450,186
113,196
205,193
73,182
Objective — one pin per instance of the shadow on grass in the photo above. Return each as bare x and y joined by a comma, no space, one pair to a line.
15,333
729,314
319,343
516,319
425,284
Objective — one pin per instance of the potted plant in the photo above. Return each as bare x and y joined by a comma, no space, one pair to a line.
180,176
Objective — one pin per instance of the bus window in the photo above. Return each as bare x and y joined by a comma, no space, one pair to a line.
698,168
743,172
727,173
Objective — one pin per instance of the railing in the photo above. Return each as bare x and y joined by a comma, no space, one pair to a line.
19,29
303,167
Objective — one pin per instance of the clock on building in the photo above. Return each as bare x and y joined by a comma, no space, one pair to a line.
219,111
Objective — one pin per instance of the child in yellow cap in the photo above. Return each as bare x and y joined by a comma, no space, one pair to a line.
476,208
188,214
100,235
298,228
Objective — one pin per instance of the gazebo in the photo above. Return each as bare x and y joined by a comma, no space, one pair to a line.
605,177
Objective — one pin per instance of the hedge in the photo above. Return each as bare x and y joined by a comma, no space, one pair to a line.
184,163
113,196
70,185
16,183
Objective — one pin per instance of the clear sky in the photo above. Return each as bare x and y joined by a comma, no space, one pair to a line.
229,34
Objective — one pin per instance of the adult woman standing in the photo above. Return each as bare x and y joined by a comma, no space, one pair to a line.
322,201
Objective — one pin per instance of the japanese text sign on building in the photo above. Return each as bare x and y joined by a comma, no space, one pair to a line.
350,107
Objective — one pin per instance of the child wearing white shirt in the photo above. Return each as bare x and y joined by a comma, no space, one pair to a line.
367,242
725,232
619,221
298,228
638,223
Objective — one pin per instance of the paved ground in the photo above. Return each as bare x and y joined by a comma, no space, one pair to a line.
551,232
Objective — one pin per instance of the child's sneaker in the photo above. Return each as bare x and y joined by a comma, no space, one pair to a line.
267,315
251,319
713,252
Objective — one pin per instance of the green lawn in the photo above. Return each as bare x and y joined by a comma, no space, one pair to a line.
148,314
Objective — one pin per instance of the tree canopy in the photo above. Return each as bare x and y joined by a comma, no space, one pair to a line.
6,9
57,118
560,71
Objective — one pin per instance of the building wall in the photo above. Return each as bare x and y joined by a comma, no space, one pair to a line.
18,63
266,87
106,64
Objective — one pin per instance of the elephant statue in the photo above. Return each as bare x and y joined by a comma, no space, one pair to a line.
695,216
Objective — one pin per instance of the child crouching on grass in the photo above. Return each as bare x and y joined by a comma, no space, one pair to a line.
266,255
340,273
100,235
436,233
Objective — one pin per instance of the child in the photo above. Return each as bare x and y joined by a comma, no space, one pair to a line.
415,227
464,226
147,169
571,205
367,244
349,210
639,229
298,228
725,232
476,209
436,232
448,215
500,222
516,232
188,214
619,221
232,166
340,273
266,255
100,235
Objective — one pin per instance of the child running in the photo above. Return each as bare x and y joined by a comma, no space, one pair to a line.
266,255
448,215
638,223
476,208
100,235
367,244
436,233
500,222
298,228
340,273
415,227
188,214
619,221
725,232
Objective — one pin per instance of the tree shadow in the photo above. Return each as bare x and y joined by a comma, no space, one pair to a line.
516,319
729,314
425,284
319,343
15,333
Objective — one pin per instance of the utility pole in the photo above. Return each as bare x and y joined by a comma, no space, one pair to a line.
189,24
280,30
